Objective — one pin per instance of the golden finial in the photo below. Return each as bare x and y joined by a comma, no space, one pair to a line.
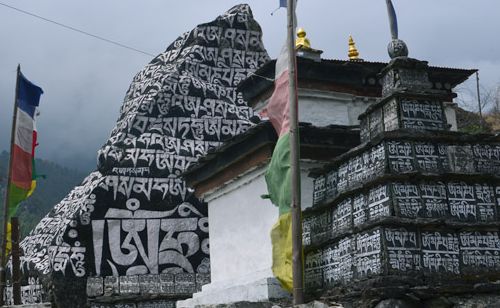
353,51
302,41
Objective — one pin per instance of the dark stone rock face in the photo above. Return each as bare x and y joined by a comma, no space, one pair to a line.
395,303
133,227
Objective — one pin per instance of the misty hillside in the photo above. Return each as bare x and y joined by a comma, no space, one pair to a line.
50,190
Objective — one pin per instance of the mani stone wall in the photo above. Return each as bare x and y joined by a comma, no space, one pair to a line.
414,210
132,231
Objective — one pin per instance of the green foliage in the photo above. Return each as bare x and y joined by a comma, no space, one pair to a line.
471,122
49,191
474,129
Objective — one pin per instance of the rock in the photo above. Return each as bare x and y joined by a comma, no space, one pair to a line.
396,303
134,215
240,305
440,302
476,301
313,304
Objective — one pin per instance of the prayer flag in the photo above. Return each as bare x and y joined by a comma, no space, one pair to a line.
278,174
393,20
23,180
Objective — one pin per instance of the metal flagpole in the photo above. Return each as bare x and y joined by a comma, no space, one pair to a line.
298,291
7,193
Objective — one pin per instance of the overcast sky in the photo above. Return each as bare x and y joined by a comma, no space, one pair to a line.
85,79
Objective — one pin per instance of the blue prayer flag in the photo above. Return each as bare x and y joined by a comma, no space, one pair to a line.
393,20
28,95
283,3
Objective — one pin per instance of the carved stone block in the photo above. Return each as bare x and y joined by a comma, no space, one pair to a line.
313,270
359,210
487,158
378,202
497,196
111,286
129,285
95,286
185,283
391,118
427,157
319,189
355,171
406,74
422,114
401,156
343,174
306,230
485,199
113,305
375,161
342,217
156,304
331,185
331,265
462,201
125,305
201,280
443,157
376,122
398,113
364,129
434,199
320,226
461,159
402,247
407,201
480,252
440,253
338,262
167,283
149,284
368,255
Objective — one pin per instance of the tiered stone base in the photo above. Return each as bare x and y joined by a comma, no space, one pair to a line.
256,291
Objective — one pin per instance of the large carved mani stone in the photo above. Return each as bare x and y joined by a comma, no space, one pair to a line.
134,217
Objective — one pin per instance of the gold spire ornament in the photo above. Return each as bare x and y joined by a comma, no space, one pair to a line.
302,41
353,51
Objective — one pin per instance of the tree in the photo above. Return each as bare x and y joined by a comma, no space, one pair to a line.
478,115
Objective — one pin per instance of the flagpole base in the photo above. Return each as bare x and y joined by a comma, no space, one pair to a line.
2,285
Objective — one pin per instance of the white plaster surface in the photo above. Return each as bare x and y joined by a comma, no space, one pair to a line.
323,108
239,224
451,116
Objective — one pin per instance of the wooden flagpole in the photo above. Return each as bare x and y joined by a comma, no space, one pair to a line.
478,91
298,280
16,270
3,257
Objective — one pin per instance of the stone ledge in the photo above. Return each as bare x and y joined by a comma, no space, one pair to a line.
368,294
259,291
41,305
